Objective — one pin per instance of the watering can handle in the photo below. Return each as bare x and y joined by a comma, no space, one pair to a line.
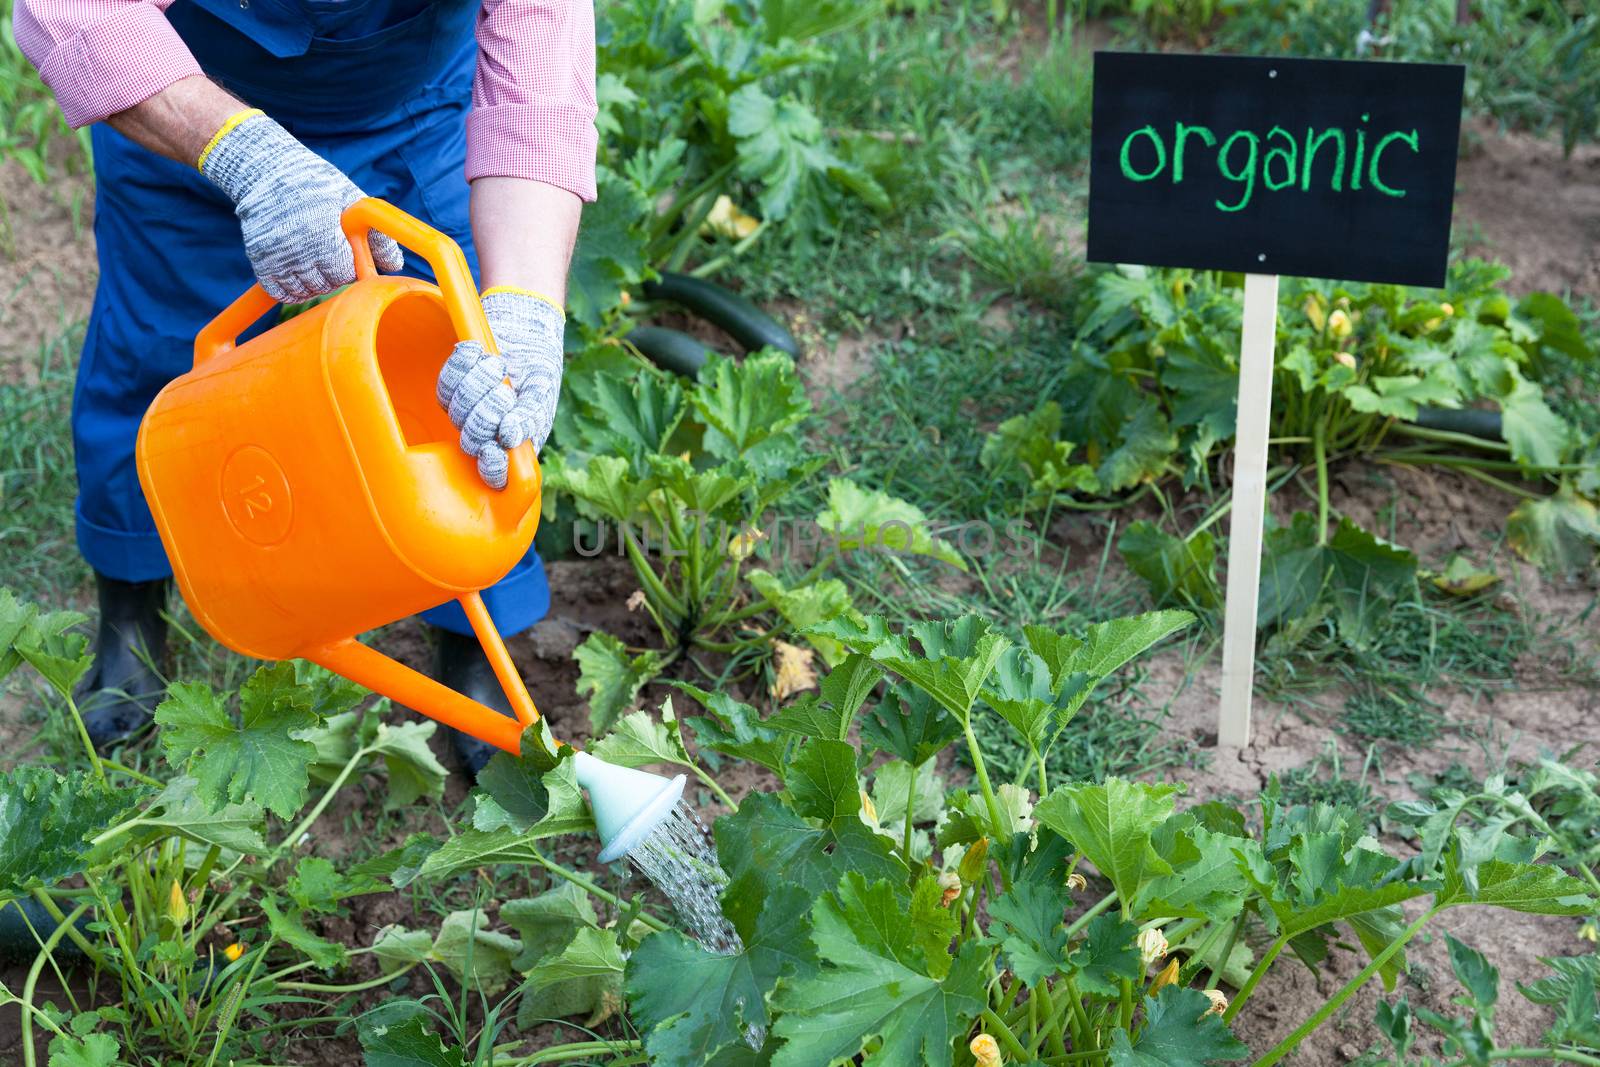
367,666
359,219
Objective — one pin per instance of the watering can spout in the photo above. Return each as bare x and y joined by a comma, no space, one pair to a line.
628,804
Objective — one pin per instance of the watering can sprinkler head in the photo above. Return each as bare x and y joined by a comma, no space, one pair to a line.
628,804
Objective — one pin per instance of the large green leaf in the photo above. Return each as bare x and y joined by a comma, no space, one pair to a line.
611,678
804,606
1113,824
1178,1031
534,793
876,985
578,979
45,820
412,769
90,1050
1559,533
780,145
690,1002
546,923
1536,888
609,254
1211,885
1108,957
289,928
1023,694
1178,571
179,809
951,660
1032,916
1538,436
259,756
1398,396
399,1034
640,740
873,520
1146,443
50,643
745,403
470,950
735,729
822,781
908,724
768,839
1104,647
606,483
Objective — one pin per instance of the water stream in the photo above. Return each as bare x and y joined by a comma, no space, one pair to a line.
680,857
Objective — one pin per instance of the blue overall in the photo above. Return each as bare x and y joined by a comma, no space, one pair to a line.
380,88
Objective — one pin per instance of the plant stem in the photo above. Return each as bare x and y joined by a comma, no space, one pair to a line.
1058,1041
911,802
711,784
1254,979
138,776
356,987
50,943
1288,1044
1560,1054
1319,447
1449,437
587,885
983,781
1227,950
83,735
1002,1033
574,1050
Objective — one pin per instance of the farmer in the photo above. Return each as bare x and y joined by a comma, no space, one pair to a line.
269,117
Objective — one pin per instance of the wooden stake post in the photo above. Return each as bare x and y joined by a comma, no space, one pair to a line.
1305,167
1249,507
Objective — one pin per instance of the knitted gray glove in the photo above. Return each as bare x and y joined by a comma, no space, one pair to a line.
288,200
491,416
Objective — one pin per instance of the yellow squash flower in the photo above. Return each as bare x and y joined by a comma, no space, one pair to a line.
1076,883
177,904
1152,946
1345,359
1219,1003
1168,976
1339,325
987,1050
950,883
233,951
1315,313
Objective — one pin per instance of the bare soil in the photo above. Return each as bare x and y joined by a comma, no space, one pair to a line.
1521,201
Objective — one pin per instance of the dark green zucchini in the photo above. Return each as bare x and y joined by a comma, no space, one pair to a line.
724,309
1474,422
18,941
670,350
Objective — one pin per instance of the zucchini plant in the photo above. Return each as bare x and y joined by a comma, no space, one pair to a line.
1362,370
690,482
888,919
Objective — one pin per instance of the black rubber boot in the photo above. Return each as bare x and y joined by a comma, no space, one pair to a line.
459,662
118,698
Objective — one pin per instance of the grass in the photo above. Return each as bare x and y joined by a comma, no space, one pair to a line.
38,547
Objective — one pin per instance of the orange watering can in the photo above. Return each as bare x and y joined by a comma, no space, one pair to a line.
308,487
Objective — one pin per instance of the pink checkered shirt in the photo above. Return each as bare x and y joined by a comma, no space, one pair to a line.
533,103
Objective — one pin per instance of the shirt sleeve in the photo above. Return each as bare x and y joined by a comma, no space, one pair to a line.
100,57
533,97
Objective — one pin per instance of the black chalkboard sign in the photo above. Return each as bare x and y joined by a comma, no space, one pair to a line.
1318,168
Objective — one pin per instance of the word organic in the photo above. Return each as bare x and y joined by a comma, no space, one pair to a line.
1288,163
